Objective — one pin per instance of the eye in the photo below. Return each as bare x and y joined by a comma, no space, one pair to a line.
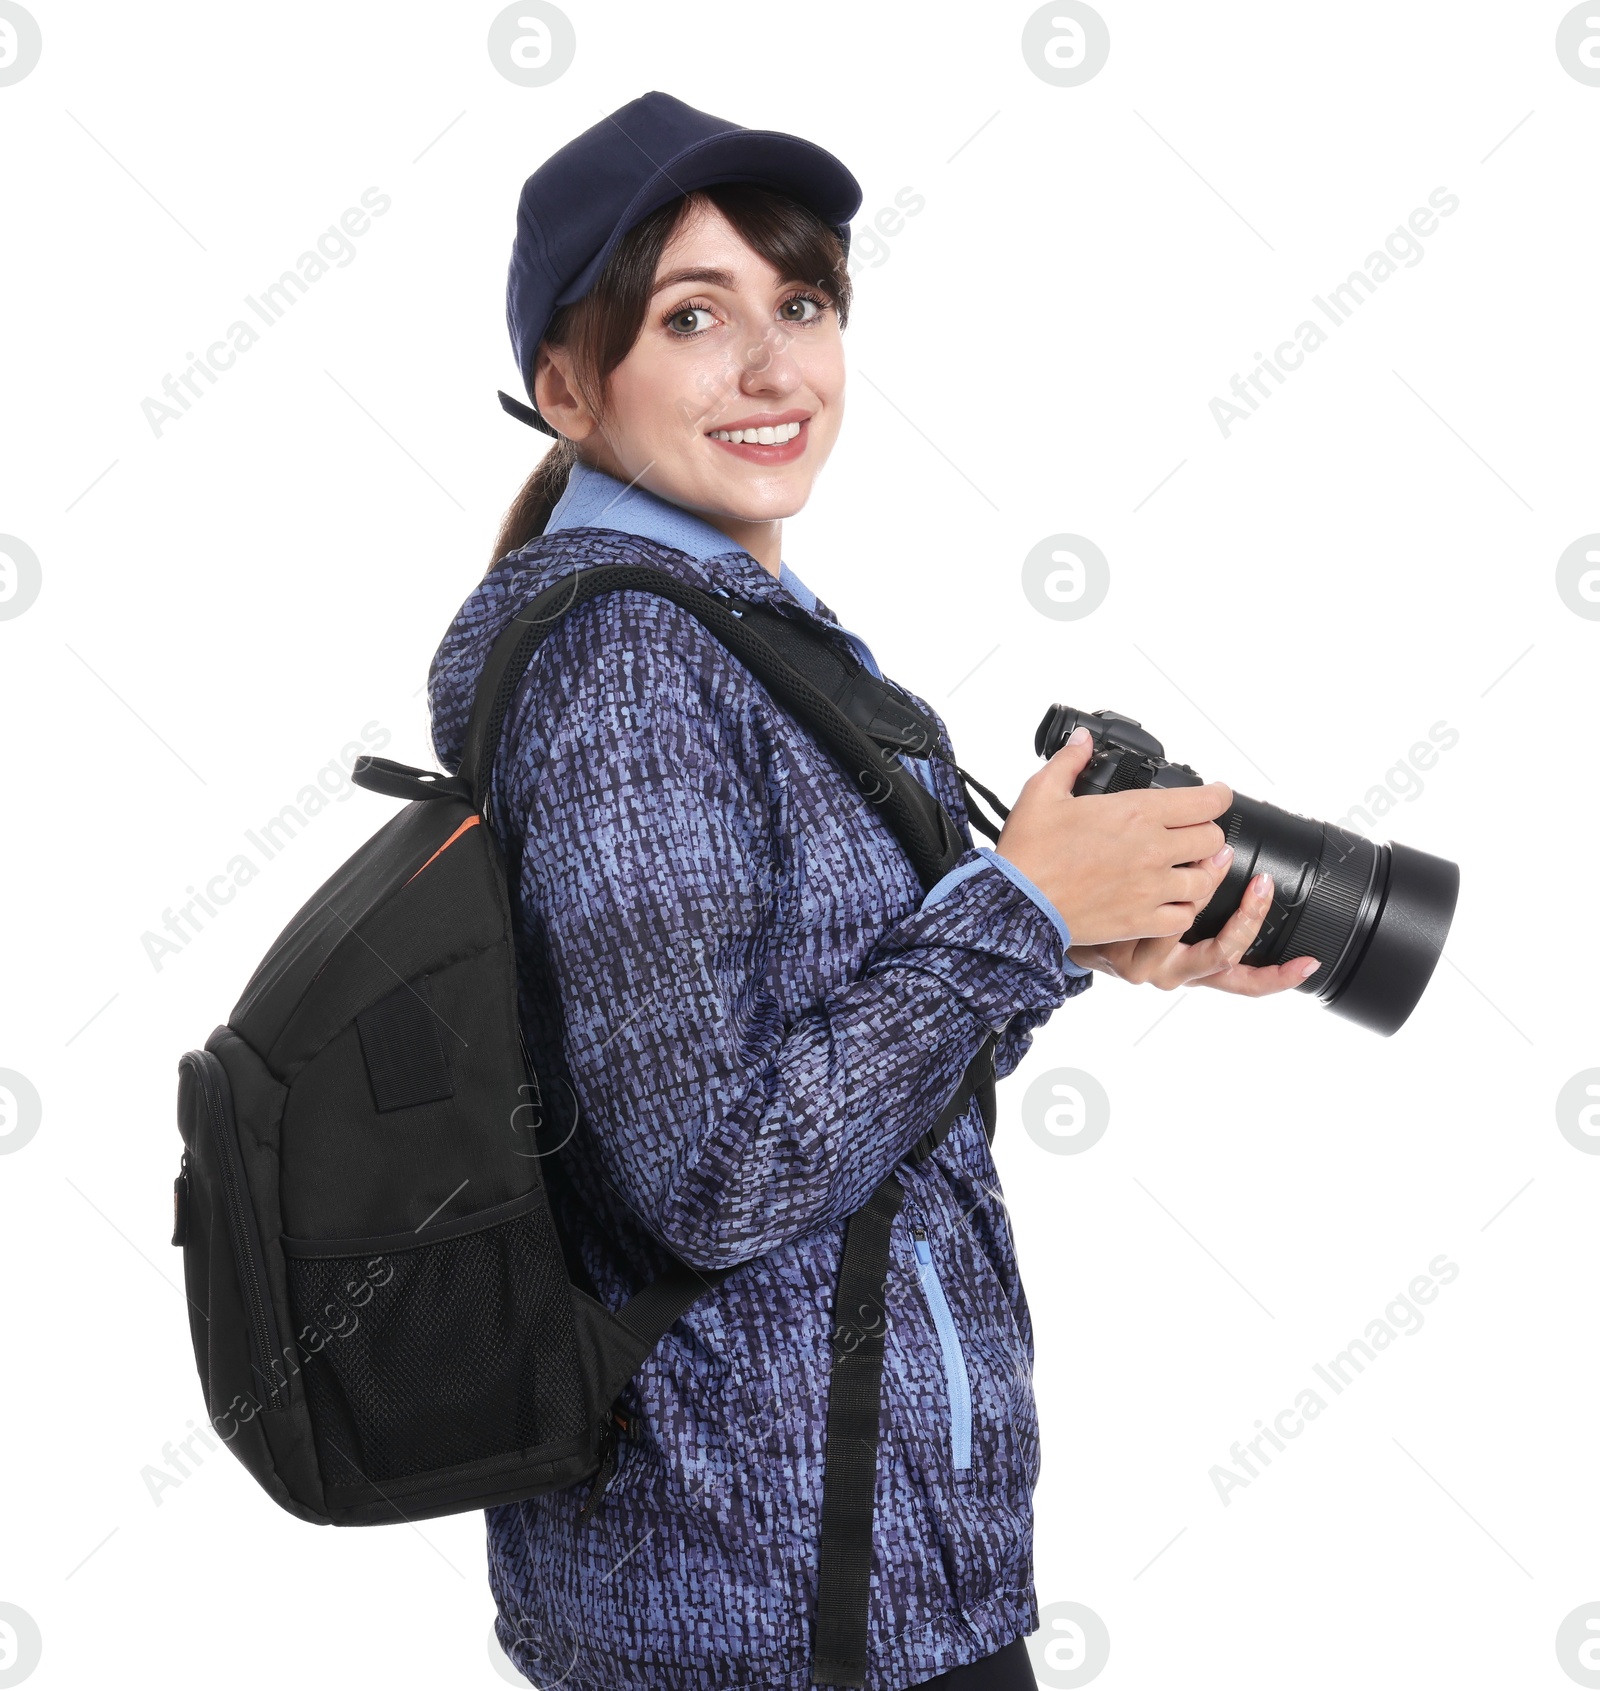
803,300
682,321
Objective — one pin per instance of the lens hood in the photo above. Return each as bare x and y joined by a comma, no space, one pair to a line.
1403,941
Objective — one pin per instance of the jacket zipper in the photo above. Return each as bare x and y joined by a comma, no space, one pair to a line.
247,1255
955,1364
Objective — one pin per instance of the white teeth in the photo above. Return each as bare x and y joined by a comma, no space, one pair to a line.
773,436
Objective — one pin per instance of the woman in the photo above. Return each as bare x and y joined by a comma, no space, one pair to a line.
761,1010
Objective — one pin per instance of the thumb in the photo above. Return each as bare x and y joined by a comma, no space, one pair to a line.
1068,763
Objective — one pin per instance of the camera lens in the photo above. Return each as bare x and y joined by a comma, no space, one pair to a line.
1374,915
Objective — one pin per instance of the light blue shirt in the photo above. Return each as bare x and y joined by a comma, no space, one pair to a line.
594,499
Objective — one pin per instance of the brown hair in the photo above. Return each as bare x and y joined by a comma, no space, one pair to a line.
601,328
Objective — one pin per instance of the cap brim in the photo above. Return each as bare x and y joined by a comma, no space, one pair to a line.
525,414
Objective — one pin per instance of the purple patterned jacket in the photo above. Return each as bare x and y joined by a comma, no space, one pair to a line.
727,957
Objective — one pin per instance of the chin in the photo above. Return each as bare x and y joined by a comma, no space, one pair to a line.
766,508
751,491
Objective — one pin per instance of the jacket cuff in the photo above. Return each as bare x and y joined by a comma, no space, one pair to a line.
985,857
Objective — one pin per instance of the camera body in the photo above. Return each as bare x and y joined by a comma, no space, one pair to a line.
1116,738
1374,915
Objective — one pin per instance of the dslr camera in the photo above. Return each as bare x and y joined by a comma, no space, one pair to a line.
1374,915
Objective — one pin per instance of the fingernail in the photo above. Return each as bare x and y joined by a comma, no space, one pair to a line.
1263,886
1310,969
1222,856
1078,735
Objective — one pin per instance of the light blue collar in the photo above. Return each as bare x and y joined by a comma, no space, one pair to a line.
595,499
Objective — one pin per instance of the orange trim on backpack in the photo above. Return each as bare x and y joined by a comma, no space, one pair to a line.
471,822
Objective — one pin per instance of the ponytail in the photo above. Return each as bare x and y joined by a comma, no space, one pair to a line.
531,508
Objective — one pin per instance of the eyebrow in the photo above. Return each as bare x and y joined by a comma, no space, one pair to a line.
696,273
710,276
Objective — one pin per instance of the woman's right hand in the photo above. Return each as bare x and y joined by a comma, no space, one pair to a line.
1140,864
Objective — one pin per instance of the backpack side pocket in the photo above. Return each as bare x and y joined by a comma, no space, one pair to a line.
244,1350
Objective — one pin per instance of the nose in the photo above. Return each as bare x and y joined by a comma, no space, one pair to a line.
769,363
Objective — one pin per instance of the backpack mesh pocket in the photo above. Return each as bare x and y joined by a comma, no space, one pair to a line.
421,1356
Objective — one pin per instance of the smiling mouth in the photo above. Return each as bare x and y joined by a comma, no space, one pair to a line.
773,436
773,443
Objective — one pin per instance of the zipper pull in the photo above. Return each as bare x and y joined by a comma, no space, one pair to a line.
919,1233
606,1471
180,1203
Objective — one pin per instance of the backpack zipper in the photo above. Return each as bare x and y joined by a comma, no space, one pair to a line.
247,1254
957,1385
180,1202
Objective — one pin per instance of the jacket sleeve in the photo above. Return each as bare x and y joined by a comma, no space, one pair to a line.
1017,1035
664,886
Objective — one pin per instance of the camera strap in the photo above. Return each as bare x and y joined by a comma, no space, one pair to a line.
883,711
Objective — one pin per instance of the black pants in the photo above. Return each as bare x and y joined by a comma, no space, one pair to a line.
1007,1670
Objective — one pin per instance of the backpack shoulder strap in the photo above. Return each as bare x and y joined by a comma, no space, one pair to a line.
824,695
865,722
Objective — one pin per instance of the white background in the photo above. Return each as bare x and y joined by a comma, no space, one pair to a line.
1034,352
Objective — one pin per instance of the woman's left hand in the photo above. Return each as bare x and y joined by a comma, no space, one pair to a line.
1167,962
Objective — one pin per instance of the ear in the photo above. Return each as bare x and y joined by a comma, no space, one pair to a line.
556,393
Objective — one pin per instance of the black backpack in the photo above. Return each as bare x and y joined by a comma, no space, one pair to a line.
381,1311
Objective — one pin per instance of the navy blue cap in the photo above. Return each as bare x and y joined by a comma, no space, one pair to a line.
585,197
